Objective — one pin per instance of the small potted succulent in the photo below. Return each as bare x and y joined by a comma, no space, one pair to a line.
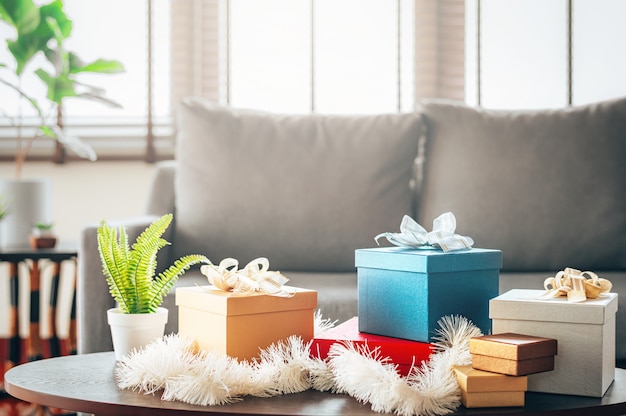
42,236
130,274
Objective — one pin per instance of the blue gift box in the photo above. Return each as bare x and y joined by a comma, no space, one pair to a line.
403,292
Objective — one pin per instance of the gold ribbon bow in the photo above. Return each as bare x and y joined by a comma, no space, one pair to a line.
254,277
576,285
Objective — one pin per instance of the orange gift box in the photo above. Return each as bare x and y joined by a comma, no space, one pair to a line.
485,389
241,326
404,353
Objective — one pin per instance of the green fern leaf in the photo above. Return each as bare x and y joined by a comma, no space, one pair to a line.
143,259
144,272
113,266
165,280
144,248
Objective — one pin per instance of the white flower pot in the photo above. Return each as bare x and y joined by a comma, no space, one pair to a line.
30,202
136,330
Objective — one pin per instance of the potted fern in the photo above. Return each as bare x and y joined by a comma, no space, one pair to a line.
130,275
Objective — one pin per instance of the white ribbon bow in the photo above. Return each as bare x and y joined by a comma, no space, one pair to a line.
254,277
414,235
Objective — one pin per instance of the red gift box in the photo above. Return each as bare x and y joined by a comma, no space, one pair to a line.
404,353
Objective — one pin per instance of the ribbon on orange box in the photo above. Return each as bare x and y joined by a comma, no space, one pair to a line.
442,236
576,285
254,277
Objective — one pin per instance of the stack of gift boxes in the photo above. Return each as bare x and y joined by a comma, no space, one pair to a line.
500,365
585,331
404,291
402,294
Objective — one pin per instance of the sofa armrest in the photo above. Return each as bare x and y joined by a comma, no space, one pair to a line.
92,293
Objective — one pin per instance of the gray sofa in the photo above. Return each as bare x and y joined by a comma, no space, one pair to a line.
547,187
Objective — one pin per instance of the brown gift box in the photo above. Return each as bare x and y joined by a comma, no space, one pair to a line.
513,354
512,367
242,325
513,346
485,389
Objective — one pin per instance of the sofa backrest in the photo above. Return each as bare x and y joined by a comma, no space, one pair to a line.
547,187
304,191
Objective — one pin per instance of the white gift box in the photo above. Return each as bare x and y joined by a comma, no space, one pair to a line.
585,331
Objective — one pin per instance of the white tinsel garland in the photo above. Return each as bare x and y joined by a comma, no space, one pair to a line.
176,367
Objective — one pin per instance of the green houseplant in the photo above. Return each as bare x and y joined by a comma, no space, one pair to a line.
130,275
44,30
37,53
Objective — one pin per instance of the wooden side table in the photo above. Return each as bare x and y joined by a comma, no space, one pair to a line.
37,304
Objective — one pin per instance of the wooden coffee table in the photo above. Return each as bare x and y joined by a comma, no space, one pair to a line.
84,383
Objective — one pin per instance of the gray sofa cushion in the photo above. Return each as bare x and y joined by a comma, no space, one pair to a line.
303,191
548,188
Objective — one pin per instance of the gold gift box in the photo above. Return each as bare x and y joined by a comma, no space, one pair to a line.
513,354
241,326
485,389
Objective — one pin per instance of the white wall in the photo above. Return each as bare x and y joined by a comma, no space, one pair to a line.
86,192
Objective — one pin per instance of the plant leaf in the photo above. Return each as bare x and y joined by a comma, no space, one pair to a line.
33,29
22,15
101,66
59,87
48,132
166,280
113,265
100,98
24,49
54,10
74,143
143,258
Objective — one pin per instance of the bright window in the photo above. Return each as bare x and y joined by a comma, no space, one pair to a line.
599,54
110,29
326,56
522,60
114,29
330,56
270,57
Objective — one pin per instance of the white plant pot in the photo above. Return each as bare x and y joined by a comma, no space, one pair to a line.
136,330
30,202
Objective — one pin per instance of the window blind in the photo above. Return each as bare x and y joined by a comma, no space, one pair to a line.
439,49
200,49
195,49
